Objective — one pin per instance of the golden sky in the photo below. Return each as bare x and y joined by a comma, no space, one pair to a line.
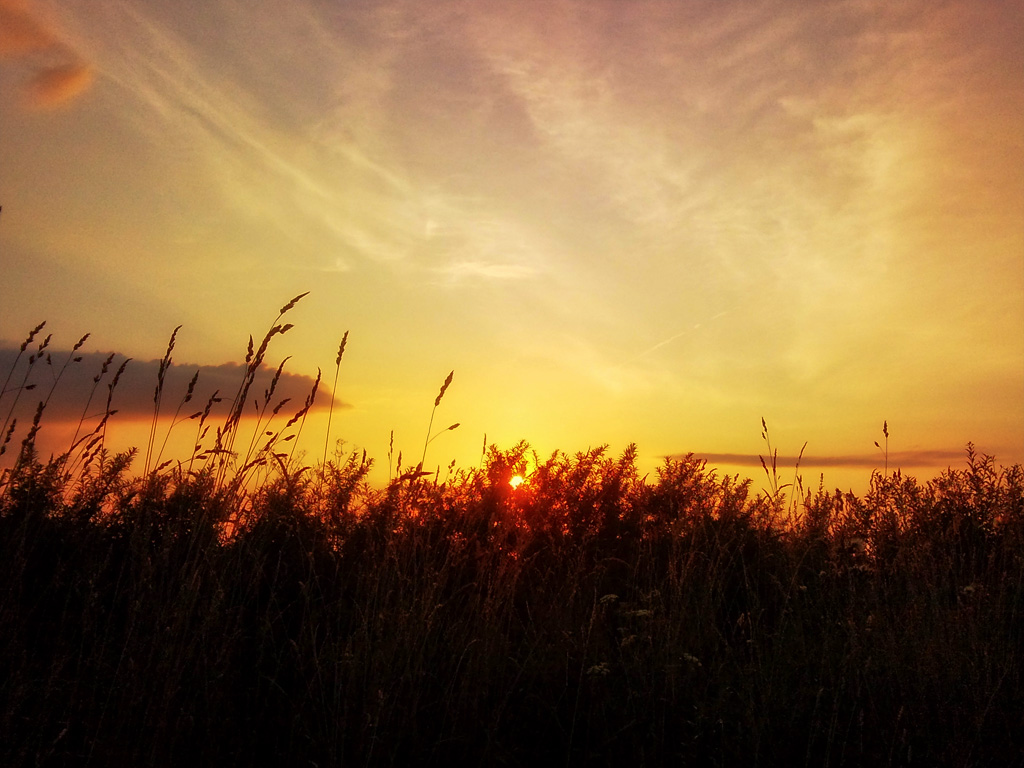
650,222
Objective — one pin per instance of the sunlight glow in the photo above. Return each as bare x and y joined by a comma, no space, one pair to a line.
516,481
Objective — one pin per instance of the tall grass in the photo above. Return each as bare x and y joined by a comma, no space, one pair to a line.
235,607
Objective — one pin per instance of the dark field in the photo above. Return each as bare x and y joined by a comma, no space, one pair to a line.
229,610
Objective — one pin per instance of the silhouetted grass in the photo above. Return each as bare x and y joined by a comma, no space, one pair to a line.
237,608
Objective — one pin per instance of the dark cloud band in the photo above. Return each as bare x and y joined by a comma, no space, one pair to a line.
78,392
933,458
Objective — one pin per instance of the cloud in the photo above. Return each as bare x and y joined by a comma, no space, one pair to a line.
21,32
270,137
933,458
78,393
59,75
676,336
460,270
52,87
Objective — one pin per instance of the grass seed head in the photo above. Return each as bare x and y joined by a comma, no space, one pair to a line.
32,335
80,342
444,387
341,348
292,303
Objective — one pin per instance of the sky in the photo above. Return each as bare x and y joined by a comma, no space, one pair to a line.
617,221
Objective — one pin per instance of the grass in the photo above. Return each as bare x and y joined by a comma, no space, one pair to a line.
237,607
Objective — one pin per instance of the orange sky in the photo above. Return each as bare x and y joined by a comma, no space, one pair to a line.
650,222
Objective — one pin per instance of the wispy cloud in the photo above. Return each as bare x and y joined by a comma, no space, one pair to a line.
676,336
276,155
462,270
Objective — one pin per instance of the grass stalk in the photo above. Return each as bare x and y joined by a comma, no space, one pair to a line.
430,424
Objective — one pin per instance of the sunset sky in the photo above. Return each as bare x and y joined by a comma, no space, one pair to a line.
616,221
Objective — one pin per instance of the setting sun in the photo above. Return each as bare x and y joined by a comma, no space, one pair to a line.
516,481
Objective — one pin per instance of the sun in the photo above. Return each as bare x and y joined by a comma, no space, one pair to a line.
516,481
